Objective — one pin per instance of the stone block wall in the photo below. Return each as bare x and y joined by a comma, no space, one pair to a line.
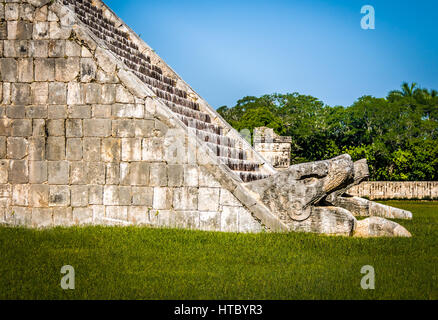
274,148
81,145
381,190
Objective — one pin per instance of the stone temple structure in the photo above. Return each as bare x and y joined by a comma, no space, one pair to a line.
274,148
95,129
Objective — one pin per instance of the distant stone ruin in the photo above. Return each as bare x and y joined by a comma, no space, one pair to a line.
96,129
274,148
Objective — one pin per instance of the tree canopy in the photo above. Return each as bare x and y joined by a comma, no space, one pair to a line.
398,134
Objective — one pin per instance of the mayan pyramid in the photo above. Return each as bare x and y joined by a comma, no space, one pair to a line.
96,129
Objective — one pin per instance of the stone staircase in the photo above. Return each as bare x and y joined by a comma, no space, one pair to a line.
228,149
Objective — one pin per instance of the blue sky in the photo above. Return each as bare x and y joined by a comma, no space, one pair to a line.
229,49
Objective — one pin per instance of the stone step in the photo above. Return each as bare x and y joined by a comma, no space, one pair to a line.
226,152
251,176
200,125
215,138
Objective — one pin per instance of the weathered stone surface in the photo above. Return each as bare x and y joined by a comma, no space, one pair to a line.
292,193
365,208
379,227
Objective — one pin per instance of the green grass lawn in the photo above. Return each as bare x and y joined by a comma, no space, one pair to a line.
143,263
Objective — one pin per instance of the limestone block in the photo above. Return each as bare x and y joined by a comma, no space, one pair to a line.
228,199
98,214
144,128
208,199
185,198
58,172
139,215
142,196
27,11
41,9
79,196
111,195
75,95
62,216
12,11
37,148
117,212
229,219
66,69
379,227
128,111
95,173
39,128
25,70
40,30
139,174
160,218
16,112
111,149
44,69
97,127
191,175
58,32
20,94
93,92
95,194
88,69
78,173
19,216
57,112
79,112
59,196
2,147
74,149
18,171
247,223
33,112
73,128
56,127
55,148
72,49
12,30
105,61
24,30
158,177
185,219
123,95
57,93
39,48
40,92
175,174
152,149
17,148
37,172
21,128
112,173
131,149
56,48
91,149
42,218
206,179
209,221
20,195
162,198
123,128
39,195
82,216
101,111
108,93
